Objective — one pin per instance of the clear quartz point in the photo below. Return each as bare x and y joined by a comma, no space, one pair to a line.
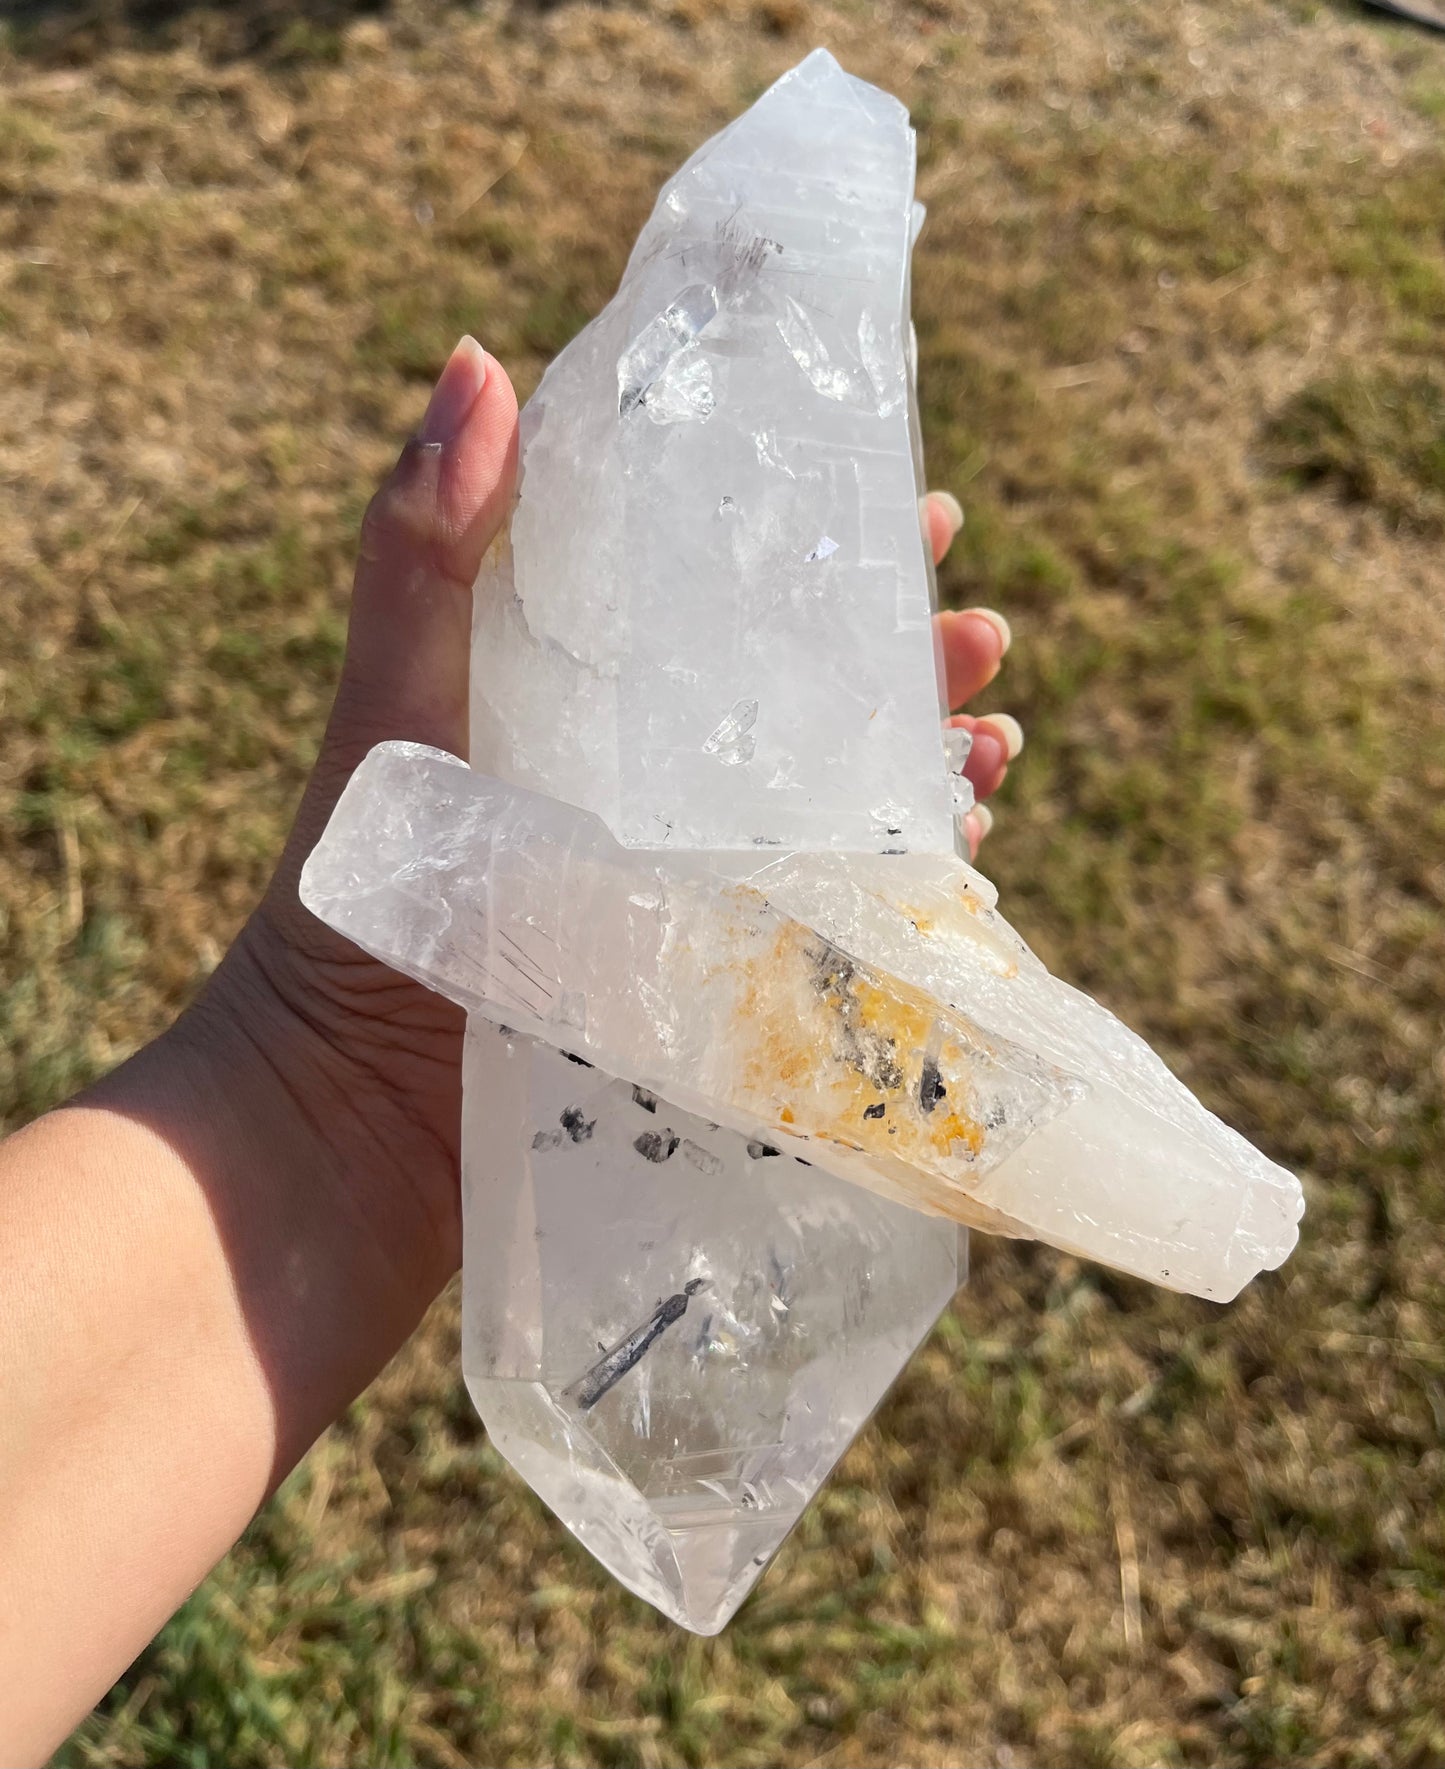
749,1045
673,1331
734,444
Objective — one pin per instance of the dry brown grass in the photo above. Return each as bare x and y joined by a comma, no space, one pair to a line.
1094,1524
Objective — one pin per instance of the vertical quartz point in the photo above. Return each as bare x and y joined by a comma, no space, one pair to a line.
671,1330
775,702
712,623
725,644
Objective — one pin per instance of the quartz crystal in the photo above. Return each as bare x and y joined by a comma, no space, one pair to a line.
673,1331
749,1046
727,642
876,1008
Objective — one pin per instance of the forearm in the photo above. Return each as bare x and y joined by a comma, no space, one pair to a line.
192,1295
138,1435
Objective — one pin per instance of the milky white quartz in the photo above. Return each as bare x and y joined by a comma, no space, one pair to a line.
694,985
712,624
749,1047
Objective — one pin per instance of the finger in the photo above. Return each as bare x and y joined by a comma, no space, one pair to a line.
977,824
1006,727
944,515
408,646
988,758
974,642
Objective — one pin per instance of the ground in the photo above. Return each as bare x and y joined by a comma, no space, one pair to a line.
1181,304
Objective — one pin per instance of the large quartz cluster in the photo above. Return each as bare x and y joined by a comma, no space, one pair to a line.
748,1042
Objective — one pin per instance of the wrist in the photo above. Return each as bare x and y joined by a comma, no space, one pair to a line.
332,1255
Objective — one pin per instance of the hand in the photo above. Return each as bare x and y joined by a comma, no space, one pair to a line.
382,1044
974,642
375,1052
206,1256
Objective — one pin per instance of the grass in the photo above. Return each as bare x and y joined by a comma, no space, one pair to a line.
1179,309
1376,439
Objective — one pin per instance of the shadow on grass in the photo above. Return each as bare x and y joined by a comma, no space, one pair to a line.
76,32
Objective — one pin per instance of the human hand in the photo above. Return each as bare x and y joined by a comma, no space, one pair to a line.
366,1053
974,642
215,1248
368,1056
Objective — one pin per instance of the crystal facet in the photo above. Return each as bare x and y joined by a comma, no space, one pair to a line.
748,1044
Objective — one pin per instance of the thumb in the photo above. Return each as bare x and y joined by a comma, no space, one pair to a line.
409,640
408,644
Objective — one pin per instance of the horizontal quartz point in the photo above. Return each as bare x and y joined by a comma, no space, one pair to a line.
875,1013
710,621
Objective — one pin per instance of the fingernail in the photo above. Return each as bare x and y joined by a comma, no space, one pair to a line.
999,625
455,392
955,509
984,817
1008,727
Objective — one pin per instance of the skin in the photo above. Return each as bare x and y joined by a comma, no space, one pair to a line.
208,1255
